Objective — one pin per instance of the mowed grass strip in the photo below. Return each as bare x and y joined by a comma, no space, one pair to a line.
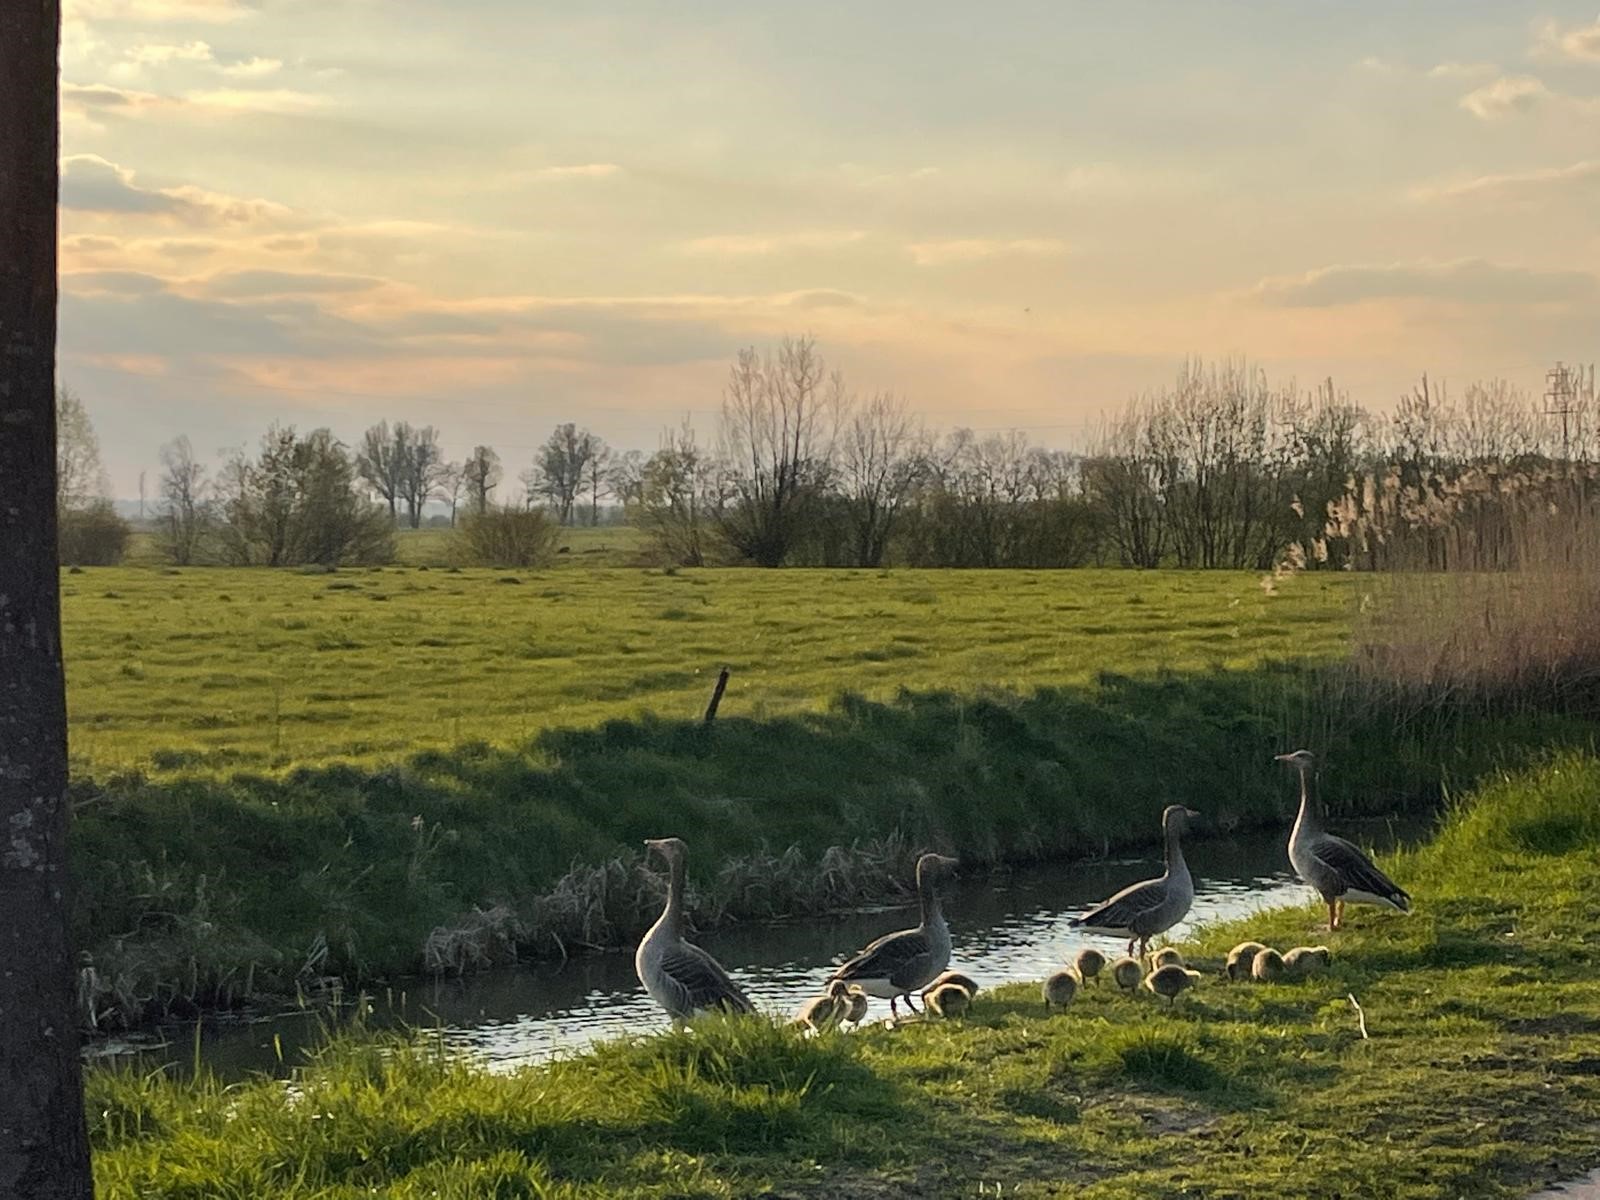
212,671
1481,1075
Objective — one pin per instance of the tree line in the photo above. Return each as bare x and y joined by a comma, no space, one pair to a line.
1221,469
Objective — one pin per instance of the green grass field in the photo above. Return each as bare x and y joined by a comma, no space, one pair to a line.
1480,1078
213,670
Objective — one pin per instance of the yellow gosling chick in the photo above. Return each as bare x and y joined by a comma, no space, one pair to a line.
964,982
948,1000
824,1011
855,1006
1267,966
1241,957
1089,963
1127,972
1059,989
1170,980
1166,957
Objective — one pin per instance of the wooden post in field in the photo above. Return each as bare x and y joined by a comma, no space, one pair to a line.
716,695
44,1146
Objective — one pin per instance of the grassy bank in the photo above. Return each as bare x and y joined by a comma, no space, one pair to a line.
1480,1076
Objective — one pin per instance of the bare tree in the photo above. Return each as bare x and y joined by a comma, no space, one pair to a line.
626,476
452,481
44,1149
480,476
184,513
80,478
381,462
882,454
421,464
679,498
597,475
558,474
778,424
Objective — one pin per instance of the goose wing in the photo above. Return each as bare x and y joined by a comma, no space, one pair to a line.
902,958
699,982
1127,906
1356,872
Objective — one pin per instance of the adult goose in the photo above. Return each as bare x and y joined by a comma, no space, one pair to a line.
1336,868
1142,910
899,964
682,978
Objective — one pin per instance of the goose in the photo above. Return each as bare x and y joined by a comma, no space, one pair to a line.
1127,972
1167,956
1267,966
1240,958
824,1011
898,964
948,1000
1170,980
1306,960
1059,988
1336,868
964,982
1089,963
1143,910
682,978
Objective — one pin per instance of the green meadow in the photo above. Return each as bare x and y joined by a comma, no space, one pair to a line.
1476,1073
216,671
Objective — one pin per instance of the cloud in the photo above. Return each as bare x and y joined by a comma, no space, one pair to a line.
1579,179
104,99
1462,70
1466,281
247,283
740,245
120,283
579,171
252,68
148,12
966,250
822,298
90,183
1507,96
256,100
1580,44
160,54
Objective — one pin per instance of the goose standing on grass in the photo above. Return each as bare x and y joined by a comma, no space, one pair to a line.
1336,868
680,977
1143,910
898,964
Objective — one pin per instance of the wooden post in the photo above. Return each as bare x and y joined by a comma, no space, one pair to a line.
716,695
44,1147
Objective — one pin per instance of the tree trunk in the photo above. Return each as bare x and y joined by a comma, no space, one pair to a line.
44,1152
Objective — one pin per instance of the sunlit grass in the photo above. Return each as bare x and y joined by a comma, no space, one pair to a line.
1479,1077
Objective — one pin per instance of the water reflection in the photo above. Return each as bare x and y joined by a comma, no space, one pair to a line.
1004,927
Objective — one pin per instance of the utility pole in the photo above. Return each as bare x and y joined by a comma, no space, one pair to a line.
1559,393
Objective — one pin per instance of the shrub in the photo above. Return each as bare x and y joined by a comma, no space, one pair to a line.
93,537
506,537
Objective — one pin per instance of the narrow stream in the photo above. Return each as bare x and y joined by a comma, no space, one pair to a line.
1009,926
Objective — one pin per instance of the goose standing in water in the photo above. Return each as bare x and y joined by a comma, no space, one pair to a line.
1142,910
898,964
1336,868
680,977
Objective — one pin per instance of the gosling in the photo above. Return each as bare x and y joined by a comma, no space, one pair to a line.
1060,988
1127,972
948,1000
1267,966
1167,956
1089,963
824,1011
855,1006
1170,980
964,982
1241,957
1305,961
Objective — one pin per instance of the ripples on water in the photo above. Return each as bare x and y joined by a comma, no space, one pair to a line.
1004,927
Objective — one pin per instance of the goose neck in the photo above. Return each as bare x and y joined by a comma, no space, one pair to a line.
1307,818
672,915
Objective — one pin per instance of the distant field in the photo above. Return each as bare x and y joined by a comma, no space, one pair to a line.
211,669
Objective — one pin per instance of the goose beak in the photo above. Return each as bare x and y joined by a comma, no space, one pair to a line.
1192,814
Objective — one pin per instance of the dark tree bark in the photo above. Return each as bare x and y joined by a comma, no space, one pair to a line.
44,1153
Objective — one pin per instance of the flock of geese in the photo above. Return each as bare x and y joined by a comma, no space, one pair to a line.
684,980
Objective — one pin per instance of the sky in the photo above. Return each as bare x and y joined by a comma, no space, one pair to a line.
493,216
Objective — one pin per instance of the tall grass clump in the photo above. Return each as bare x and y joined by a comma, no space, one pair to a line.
1485,587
